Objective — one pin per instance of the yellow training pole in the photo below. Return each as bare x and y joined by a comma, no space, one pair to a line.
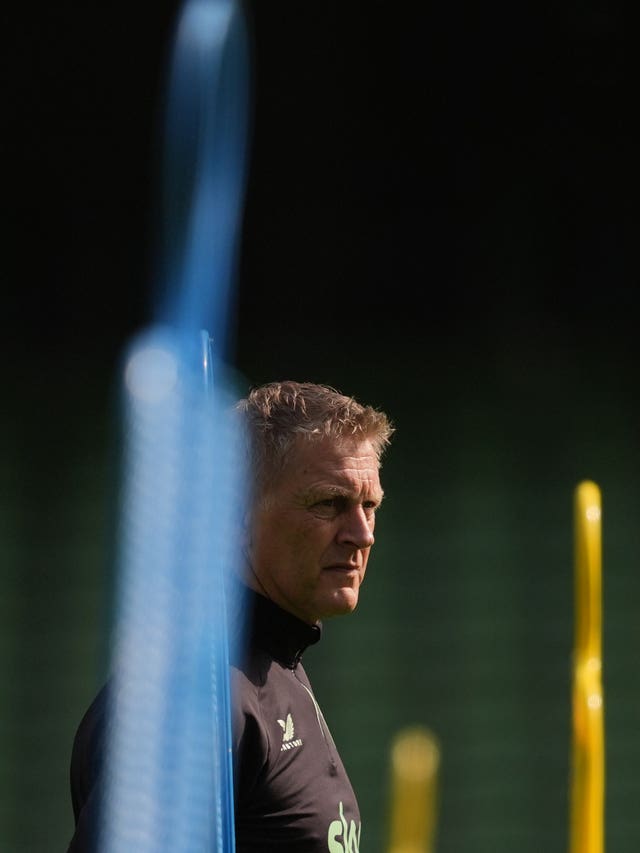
415,762
587,759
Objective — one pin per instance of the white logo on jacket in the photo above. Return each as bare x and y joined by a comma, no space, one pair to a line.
343,837
288,732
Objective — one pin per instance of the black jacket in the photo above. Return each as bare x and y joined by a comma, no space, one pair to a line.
291,790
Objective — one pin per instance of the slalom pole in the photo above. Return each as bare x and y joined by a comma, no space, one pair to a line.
415,765
168,770
587,770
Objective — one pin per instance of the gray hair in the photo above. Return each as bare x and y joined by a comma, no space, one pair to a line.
275,415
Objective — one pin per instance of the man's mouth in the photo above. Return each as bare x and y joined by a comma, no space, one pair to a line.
347,568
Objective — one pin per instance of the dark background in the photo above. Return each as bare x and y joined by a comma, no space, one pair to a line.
441,219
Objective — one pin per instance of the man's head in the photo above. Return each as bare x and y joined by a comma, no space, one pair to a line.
315,459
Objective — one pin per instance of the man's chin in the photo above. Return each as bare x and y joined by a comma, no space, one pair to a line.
342,602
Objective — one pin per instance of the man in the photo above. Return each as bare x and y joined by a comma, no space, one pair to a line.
315,458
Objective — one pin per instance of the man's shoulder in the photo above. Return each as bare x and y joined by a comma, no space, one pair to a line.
88,750
250,671
258,684
93,721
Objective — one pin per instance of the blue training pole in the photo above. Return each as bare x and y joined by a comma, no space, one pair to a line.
168,769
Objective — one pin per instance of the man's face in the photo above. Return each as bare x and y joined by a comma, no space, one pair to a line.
311,536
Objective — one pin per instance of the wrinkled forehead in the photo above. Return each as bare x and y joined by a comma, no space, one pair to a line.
348,462
320,449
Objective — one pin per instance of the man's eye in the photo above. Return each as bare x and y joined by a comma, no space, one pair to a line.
333,505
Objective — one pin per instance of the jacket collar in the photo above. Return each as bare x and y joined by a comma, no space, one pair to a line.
281,634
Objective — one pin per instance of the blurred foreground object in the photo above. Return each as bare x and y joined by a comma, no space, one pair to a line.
415,764
168,768
587,758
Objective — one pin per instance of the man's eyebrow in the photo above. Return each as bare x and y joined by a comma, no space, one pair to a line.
342,492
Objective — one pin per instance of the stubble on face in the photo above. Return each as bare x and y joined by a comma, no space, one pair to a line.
312,535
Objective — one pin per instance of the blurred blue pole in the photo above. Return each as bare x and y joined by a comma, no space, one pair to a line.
205,156
168,769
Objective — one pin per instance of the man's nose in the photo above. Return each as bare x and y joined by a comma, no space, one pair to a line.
357,528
